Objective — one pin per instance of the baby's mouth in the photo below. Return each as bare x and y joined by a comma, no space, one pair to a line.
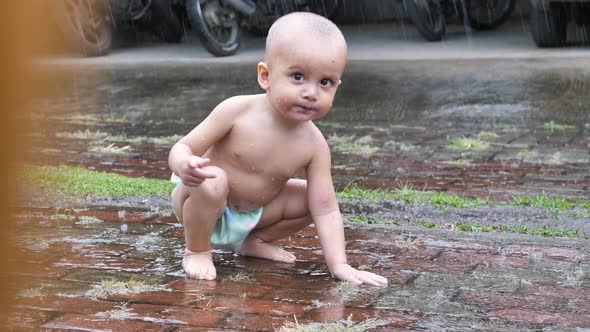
304,108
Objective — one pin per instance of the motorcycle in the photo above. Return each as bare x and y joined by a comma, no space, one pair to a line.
269,11
430,16
89,24
217,23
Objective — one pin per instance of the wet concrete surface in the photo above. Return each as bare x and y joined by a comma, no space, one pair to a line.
115,264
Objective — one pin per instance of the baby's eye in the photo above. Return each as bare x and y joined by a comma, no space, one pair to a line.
326,82
297,76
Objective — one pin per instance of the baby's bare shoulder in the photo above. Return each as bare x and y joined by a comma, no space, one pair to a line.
315,140
238,104
317,135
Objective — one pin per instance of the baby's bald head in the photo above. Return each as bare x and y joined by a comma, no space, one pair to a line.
296,28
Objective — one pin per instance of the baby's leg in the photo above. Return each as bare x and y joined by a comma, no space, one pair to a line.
286,214
199,208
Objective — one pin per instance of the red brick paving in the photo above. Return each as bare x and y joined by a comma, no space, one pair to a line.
77,305
103,262
176,315
278,293
94,323
557,253
540,317
118,216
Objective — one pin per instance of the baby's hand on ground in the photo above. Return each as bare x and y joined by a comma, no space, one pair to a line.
192,174
346,272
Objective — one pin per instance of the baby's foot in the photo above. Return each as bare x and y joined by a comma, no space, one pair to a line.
199,265
255,247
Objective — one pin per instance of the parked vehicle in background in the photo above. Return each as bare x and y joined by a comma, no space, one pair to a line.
89,25
268,11
549,20
217,23
430,16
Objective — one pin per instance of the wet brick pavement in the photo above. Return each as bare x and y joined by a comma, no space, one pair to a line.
114,267
438,279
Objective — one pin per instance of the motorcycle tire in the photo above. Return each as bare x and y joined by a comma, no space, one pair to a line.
202,15
166,23
489,14
85,25
549,27
428,18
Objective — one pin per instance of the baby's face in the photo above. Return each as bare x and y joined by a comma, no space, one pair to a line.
303,77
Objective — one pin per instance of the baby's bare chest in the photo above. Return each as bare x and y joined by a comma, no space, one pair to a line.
266,152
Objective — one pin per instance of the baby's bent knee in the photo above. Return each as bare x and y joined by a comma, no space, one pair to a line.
212,189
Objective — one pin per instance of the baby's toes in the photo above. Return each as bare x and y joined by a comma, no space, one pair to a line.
210,275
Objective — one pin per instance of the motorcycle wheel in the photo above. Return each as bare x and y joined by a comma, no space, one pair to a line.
326,8
428,17
217,26
85,24
489,14
549,27
166,24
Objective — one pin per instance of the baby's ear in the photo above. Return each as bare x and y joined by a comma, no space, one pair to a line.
263,73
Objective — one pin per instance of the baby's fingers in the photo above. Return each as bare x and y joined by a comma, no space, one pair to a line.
372,279
192,181
203,162
353,279
204,174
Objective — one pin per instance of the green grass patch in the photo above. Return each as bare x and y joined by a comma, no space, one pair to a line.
364,220
466,143
555,203
350,144
239,277
80,181
408,194
544,231
553,126
356,192
347,325
474,228
427,224
115,287
486,135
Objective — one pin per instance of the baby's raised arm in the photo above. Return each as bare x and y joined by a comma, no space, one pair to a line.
328,220
185,156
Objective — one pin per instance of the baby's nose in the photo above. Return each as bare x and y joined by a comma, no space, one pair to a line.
310,91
